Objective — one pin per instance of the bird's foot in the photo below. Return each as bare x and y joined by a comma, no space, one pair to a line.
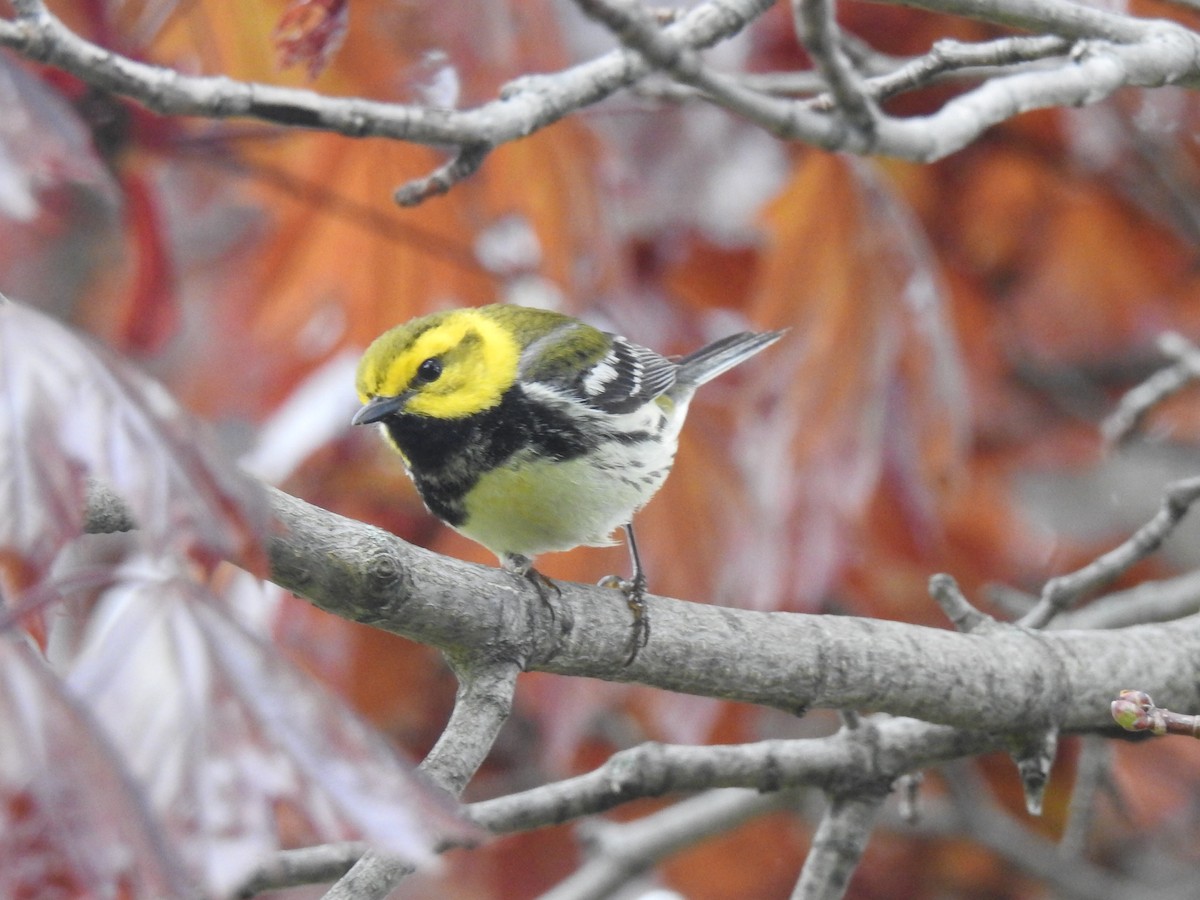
544,586
635,597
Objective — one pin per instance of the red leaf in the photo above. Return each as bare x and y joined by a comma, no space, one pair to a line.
71,826
73,411
310,32
44,147
241,754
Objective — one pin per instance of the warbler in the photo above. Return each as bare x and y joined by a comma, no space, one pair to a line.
530,431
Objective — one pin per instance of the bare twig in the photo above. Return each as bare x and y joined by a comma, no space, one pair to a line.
978,60
619,853
1121,51
481,707
1151,601
312,865
888,76
638,30
849,760
1137,402
463,165
1059,593
958,609
1158,57
1126,52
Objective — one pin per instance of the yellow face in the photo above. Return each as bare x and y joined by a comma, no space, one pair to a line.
448,365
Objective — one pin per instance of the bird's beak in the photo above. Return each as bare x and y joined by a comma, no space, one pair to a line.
379,408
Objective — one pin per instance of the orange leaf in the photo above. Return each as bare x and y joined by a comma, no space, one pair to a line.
868,384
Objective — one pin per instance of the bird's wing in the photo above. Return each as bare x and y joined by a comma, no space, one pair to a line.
602,370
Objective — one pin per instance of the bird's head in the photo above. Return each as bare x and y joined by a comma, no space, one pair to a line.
446,365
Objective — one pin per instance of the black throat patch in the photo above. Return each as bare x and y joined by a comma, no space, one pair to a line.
447,457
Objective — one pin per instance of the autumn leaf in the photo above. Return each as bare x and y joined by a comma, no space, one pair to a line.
69,815
220,729
309,33
73,412
867,387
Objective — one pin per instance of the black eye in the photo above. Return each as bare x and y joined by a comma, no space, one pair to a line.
430,370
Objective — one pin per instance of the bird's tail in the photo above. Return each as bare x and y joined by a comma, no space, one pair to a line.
720,356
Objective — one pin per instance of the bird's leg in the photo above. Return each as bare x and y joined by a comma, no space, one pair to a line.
635,596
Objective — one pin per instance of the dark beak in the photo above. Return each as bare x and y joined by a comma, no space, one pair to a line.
378,409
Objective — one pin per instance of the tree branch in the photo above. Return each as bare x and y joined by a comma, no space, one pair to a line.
311,865
962,615
463,165
481,707
618,853
947,57
630,22
527,105
1062,17
1134,406
1120,51
851,760
1061,592
1151,601
837,846
1165,55
1009,679
818,30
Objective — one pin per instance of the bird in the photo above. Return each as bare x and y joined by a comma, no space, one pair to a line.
530,431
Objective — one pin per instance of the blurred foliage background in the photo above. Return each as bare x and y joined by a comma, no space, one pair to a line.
958,331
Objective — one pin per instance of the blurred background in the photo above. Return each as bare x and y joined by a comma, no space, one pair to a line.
958,332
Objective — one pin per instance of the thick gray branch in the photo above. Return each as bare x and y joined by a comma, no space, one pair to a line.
1007,680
